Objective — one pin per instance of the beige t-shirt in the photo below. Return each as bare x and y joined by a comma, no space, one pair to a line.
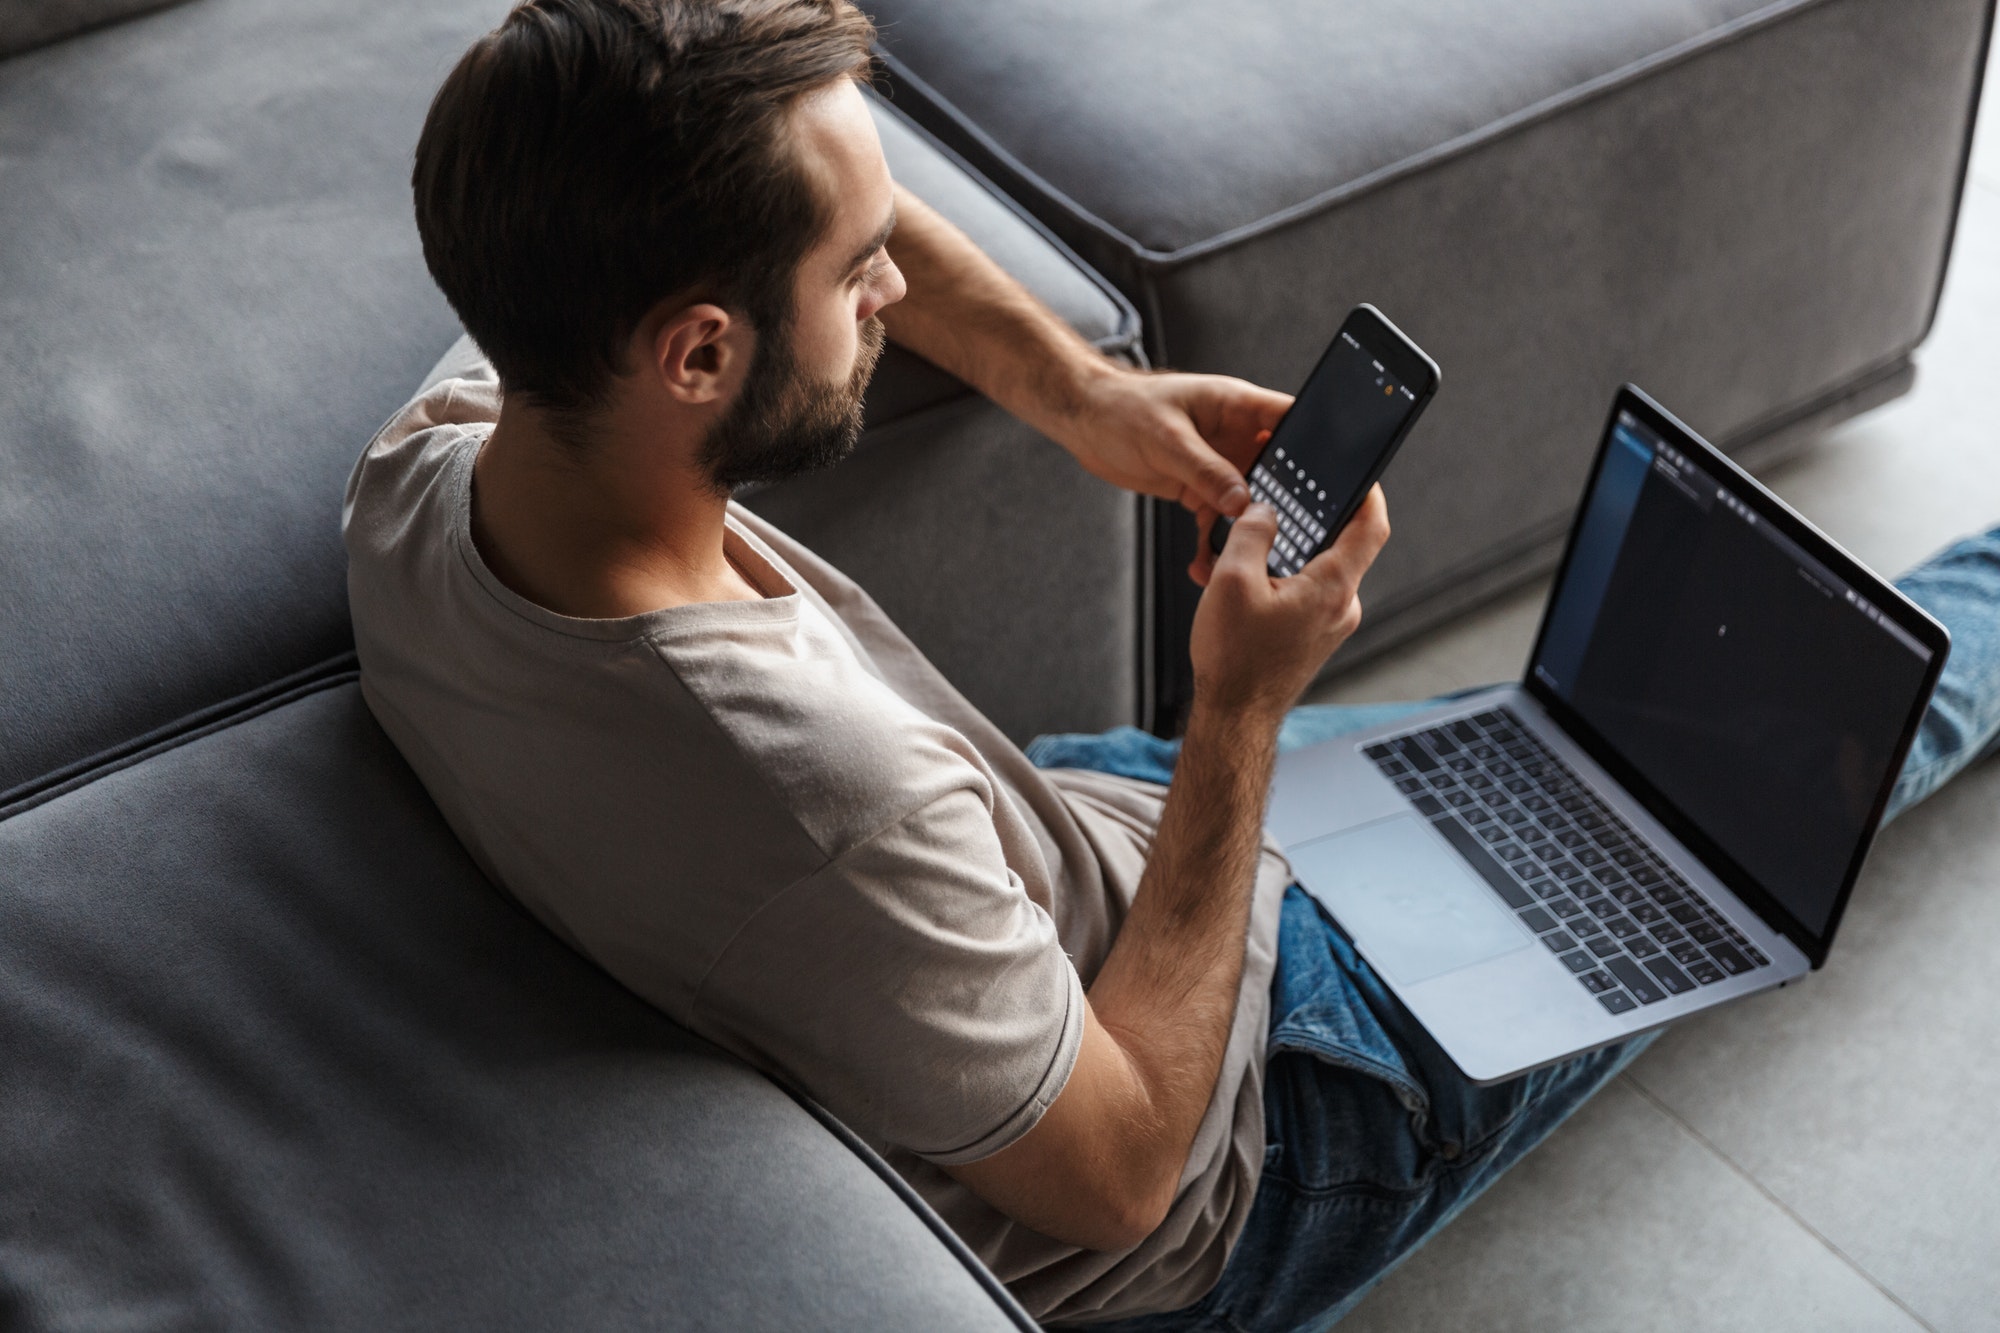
778,823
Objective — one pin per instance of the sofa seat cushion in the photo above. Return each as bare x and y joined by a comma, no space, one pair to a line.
1743,205
277,1056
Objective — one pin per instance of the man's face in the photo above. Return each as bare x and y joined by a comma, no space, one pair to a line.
799,407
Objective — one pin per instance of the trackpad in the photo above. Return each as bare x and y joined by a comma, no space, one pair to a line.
1416,910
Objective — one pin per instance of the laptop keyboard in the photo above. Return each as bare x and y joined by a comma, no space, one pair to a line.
1592,890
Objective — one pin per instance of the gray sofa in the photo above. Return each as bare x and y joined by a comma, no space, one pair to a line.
274,1054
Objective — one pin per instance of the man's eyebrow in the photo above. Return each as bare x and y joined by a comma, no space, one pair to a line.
875,242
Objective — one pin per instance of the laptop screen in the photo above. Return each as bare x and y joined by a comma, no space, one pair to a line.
1762,694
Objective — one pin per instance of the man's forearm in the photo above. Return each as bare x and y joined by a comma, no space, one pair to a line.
1167,992
965,313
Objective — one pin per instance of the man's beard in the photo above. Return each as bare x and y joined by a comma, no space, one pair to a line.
784,424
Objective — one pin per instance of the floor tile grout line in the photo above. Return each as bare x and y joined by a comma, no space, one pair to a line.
1825,1241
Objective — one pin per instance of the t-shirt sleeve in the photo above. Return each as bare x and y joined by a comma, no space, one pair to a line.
911,986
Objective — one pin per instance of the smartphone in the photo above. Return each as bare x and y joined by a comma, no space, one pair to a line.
1346,424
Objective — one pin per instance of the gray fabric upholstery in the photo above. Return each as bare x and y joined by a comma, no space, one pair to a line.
1744,206
278,1057
210,296
28,23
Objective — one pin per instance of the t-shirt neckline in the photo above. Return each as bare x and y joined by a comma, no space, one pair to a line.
767,572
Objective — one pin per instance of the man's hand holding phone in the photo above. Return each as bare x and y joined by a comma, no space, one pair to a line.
1258,641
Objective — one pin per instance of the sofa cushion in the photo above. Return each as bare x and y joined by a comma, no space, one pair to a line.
27,23
211,295
1744,205
278,1057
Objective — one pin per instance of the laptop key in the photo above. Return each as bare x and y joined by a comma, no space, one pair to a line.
1624,927
1598,982
1491,832
1415,754
1675,980
1427,805
1687,914
1410,786
1565,907
1465,732
1703,933
1578,961
1585,926
1666,932
1705,972
1757,959
1734,963
1618,1002
1475,816
1475,855
1511,852
1603,946
1686,952
1637,980
1601,908
1641,947
1546,888
1535,919
1559,941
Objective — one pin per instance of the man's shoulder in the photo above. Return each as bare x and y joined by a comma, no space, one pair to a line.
841,750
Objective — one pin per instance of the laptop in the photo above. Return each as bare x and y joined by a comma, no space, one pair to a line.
1668,813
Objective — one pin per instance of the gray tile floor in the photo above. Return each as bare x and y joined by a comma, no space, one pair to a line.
1822,1157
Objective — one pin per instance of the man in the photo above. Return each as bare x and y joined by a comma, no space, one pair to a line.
1067,1005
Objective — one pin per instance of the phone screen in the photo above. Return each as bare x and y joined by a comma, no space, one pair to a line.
1329,444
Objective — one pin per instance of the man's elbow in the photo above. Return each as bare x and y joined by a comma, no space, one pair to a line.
1121,1215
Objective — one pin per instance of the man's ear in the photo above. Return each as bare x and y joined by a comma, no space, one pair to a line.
698,352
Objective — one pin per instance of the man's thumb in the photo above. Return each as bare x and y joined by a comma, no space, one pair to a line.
1249,544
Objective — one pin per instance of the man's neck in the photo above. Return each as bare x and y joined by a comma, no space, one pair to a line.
625,525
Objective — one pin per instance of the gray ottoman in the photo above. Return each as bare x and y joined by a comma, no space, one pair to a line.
1744,206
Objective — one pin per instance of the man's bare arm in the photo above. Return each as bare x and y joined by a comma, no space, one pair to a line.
1187,438
1102,1166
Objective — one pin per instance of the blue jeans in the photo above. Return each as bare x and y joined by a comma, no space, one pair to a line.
1374,1139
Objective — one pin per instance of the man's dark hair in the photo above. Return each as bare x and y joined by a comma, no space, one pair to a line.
590,158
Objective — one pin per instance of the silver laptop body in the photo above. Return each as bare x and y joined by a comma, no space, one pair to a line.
1525,902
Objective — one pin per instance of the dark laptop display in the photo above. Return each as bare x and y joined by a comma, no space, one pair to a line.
1764,695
